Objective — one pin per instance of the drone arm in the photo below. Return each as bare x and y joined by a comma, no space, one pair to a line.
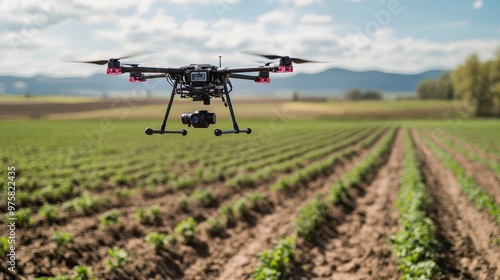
243,77
147,77
136,69
230,70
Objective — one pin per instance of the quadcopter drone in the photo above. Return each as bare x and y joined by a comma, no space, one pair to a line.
200,82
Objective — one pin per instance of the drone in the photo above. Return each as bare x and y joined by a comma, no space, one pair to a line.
200,82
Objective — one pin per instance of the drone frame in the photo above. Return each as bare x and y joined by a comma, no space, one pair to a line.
176,74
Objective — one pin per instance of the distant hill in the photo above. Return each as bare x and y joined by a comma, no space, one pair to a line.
332,82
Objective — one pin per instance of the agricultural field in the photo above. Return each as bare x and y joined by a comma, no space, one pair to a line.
296,199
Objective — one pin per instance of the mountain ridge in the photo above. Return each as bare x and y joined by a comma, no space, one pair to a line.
331,82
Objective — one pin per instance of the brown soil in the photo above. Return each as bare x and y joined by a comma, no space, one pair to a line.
38,109
464,232
479,171
235,256
354,243
38,255
42,108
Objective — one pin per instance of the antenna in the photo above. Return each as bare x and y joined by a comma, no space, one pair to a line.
220,60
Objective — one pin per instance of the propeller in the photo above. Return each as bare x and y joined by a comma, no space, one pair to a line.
274,57
103,62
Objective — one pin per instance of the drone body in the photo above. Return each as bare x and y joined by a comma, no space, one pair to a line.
200,82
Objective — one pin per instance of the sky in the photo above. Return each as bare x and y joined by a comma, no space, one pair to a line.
407,36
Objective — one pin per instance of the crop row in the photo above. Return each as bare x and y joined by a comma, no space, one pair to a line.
263,175
303,148
415,242
475,193
482,135
275,263
492,164
55,179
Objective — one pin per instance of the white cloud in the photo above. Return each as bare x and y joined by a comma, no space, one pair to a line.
205,2
314,19
477,4
300,3
85,30
277,16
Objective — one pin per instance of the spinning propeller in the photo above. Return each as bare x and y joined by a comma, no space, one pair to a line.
103,62
293,59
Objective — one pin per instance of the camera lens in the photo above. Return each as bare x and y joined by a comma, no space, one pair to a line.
185,118
211,119
195,119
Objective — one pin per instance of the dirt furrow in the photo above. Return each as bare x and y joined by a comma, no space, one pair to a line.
354,244
464,232
471,147
234,256
479,171
129,234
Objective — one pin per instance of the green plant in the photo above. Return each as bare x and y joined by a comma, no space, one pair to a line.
148,216
118,258
171,239
123,193
187,229
203,197
336,193
415,242
255,199
49,212
23,216
82,272
4,245
274,263
310,217
110,217
155,212
156,239
62,238
215,225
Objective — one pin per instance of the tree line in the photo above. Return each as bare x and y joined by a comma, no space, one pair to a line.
475,82
357,94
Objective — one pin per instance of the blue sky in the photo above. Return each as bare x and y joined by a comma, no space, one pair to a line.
391,35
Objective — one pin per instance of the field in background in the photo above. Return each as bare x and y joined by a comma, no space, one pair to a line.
101,194
61,108
93,190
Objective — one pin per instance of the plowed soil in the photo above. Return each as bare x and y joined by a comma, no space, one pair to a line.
354,243
205,258
464,232
478,170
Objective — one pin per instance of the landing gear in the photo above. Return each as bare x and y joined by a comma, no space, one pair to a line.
218,132
227,103
162,130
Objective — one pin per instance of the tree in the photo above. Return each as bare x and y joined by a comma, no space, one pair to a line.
444,87
353,94
372,95
441,88
426,89
478,84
